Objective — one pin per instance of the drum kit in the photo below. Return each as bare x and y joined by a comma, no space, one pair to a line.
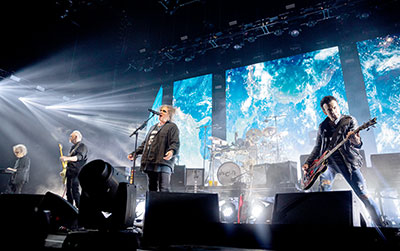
235,160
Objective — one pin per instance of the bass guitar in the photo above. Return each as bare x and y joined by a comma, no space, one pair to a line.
63,173
320,165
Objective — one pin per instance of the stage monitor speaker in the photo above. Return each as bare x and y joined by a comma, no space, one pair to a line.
387,166
62,213
23,225
194,176
281,173
175,215
178,179
317,208
104,240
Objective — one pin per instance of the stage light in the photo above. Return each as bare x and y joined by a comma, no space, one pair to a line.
260,211
140,209
294,33
278,32
238,46
228,211
40,88
188,59
232,23
15,78
363,15
108,202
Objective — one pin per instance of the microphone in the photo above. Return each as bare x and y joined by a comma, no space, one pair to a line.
154,112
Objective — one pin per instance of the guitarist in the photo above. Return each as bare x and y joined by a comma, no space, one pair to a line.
76,158
347,159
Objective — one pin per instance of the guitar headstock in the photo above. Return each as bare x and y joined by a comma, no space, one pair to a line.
368,124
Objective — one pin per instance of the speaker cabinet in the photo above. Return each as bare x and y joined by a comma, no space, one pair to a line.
279,174
317,208
260,175
387,168
178,179
169,216
62,213
23,225
194,176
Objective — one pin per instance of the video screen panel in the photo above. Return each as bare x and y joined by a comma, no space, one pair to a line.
380,64
273,109
193,99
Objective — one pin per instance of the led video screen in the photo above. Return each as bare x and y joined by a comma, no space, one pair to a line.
193,100
380,64
273,108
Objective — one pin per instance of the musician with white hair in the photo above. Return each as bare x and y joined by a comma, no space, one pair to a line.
76,158
21,169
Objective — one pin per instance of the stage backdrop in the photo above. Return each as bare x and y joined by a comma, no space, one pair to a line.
276,103
380,63
193,99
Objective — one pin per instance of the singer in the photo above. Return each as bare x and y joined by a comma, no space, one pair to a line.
159,149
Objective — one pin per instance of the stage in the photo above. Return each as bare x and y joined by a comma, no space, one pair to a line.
189,221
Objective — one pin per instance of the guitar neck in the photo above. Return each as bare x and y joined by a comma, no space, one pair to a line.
339,145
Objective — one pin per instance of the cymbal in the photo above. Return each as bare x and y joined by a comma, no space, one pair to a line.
269,131
252,133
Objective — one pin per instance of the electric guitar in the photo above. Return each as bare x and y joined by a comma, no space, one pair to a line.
63,173
320,165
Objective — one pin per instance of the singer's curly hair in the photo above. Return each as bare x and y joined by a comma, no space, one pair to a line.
171,111
20,148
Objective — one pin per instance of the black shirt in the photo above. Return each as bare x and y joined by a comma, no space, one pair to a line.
80,151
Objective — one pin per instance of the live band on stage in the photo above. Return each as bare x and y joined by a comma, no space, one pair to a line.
243,169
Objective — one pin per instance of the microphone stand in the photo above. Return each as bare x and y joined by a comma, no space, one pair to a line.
136,133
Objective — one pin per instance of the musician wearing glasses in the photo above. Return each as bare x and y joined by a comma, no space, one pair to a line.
158,151
347,160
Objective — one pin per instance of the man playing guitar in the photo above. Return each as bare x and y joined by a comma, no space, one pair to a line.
346,160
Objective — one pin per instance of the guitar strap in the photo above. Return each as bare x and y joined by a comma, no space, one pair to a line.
73,150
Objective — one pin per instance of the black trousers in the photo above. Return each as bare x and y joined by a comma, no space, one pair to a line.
15,188
73,191
158,181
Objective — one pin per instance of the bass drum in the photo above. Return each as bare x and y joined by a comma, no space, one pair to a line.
227,173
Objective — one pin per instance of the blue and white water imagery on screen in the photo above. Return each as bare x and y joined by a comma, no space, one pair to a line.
193,100
156,106
380,64
273,107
